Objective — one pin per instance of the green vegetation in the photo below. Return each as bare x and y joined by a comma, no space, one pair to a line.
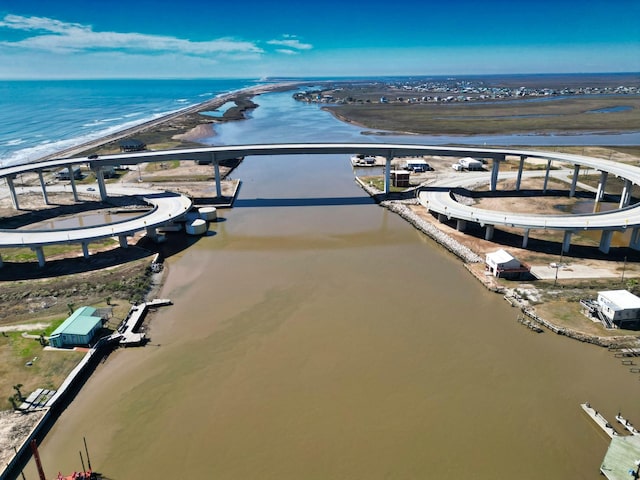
20,255
378,182
498,117
25,365
158,166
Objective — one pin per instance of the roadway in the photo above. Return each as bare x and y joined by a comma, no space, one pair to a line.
440,201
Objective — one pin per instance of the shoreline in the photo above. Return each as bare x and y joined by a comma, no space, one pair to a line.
213,103
391,205
468,256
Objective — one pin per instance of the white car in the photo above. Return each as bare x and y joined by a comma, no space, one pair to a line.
457,167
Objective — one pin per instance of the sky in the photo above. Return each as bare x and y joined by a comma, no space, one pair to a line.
67,39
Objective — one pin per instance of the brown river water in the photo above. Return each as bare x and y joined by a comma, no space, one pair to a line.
315,335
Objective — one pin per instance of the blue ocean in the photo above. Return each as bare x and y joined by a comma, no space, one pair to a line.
38,118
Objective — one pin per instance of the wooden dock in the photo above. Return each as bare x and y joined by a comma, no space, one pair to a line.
599,419
628,352
529,324
127,332
627,424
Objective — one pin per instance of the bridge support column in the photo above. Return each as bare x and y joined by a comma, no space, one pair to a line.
625,196
602,185
85,249
546,177
216,174
152,233
634,241
488,234
123,241
43,186
574,180
40,255
495,168
387,174
525,238
101,185
605,241
73,184
442,217
520,169
12,192
566,242
461,225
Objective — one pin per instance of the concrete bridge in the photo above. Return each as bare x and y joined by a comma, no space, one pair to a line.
169,207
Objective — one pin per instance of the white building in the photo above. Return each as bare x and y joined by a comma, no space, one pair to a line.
621,307
471,163
502,264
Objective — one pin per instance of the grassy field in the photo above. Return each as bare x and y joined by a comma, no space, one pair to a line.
576,114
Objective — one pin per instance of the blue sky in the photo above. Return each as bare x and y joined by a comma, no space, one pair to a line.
255,39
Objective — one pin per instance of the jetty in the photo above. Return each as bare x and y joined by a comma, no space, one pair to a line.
128,333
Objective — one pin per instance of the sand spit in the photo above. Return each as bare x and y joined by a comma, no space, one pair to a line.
211,104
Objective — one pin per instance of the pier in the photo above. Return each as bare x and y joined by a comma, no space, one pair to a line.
127,333
599,419
627,424
622,460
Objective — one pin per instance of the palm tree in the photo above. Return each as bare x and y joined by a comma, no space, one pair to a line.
18,392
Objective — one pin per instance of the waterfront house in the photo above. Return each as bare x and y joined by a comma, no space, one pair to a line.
620,307
502,264
77,329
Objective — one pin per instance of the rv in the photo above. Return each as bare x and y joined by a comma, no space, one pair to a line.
417,166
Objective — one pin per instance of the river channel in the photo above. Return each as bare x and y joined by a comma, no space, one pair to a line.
315,335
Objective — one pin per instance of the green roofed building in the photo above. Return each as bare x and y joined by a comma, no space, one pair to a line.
78,329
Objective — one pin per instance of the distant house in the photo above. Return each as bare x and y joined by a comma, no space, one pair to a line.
63,173
131,145
502,264
77,329
620,307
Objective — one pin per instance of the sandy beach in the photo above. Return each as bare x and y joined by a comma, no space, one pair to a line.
193,131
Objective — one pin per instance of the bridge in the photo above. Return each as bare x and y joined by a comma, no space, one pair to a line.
169,207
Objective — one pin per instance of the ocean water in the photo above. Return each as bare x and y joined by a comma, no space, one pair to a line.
38,118
41,117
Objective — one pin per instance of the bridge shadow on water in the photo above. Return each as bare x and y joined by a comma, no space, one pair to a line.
302,202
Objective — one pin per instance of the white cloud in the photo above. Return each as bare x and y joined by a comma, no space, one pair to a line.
61,37
291,42
287,51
